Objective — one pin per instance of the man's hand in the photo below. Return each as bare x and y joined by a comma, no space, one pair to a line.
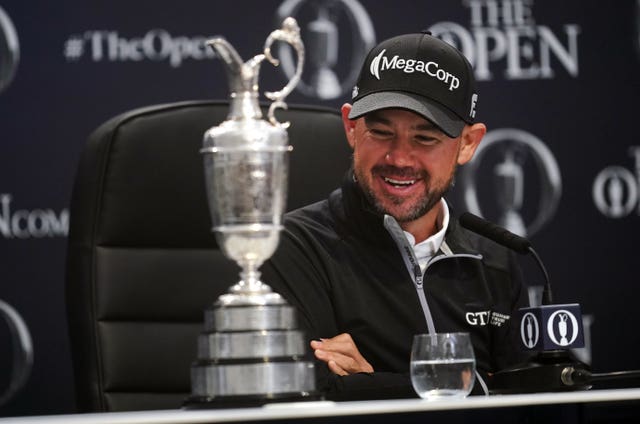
341,355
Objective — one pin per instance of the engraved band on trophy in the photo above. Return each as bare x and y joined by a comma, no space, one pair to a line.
250,350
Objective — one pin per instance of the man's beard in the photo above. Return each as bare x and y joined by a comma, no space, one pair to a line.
425,203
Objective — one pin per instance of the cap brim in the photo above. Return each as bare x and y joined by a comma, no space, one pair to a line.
446,120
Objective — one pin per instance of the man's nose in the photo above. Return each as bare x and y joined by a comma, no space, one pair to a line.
401,152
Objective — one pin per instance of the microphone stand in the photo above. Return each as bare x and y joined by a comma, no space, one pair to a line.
547,296
548,370
543,373
552,371
572,376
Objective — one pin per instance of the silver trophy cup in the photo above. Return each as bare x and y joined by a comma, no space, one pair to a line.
250,350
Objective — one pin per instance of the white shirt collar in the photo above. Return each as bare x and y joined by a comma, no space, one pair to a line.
426,249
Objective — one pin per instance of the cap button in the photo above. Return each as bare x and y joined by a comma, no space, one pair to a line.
426,31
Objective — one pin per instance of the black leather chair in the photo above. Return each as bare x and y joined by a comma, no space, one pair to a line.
142,262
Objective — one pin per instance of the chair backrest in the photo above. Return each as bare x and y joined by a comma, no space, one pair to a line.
142,263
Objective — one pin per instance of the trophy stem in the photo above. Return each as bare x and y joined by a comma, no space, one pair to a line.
250,283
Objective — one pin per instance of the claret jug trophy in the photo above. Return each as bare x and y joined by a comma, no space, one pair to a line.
250,351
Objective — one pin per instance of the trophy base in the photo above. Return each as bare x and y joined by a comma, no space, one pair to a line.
247,401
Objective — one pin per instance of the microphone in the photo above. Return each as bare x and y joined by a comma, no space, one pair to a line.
493,232
554,368
549,329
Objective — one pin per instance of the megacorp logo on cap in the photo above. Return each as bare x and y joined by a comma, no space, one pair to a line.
381,63
420,73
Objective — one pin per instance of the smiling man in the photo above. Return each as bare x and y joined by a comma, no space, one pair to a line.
383,258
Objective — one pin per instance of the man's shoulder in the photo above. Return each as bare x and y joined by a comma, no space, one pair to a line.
465,241
324,213
309,215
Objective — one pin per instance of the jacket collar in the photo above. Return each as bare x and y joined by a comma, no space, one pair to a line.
360,215
363,218
457,237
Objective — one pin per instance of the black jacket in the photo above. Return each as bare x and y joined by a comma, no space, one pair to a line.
342,269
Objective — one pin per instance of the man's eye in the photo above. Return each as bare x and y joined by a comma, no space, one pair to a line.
380,133
426,140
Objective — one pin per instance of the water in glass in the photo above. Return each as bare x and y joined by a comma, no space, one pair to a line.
442,365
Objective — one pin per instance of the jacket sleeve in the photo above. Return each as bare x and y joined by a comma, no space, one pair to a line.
300,272
296,271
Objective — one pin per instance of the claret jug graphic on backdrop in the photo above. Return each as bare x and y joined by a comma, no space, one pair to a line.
616,189
513,180
340,32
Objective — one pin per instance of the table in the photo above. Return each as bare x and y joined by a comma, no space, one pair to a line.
494,407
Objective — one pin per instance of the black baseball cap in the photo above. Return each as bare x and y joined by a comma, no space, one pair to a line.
421,73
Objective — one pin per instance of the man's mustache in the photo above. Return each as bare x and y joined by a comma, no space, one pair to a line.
403,172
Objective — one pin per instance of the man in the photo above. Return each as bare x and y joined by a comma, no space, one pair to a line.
383,259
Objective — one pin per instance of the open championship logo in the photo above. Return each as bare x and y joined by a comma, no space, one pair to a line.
616,189
529,330
336,32
9,50
503,40
523,186
562,328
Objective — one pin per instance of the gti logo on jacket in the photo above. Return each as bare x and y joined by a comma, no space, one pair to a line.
382,63
483,318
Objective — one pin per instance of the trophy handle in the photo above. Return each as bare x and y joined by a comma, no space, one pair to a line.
289,33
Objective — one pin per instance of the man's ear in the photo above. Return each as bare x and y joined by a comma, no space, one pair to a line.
469,142
349,125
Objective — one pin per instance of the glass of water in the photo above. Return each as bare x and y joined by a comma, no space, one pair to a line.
442,365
